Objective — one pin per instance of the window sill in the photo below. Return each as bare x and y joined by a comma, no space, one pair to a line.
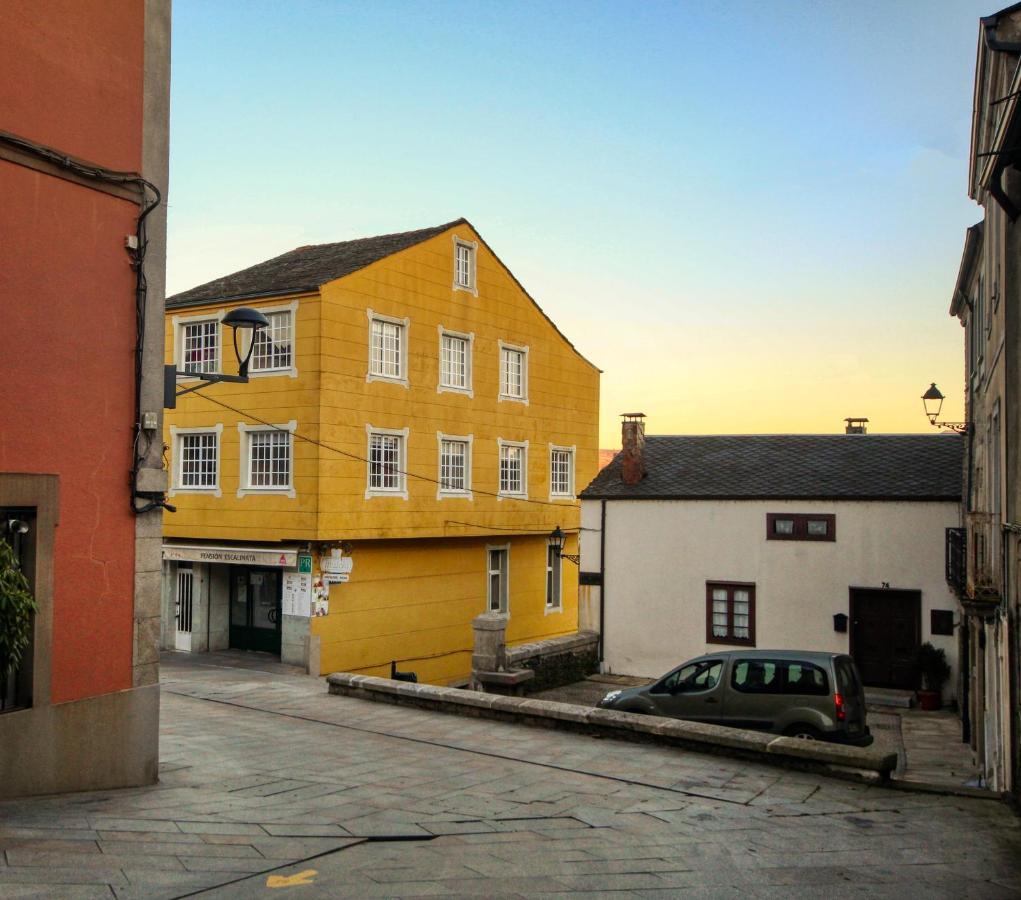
211,491
553,610
269,491
468,289
507,495
731,642
291,372
566,498
371,493
388,378
454,495
510,399
450,389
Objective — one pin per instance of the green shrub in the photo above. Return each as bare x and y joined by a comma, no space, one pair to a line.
933,667
16,607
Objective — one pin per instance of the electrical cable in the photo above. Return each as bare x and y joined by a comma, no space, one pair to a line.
357,458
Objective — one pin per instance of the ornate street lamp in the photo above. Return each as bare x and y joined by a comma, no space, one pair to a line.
244,318
556,541
932,401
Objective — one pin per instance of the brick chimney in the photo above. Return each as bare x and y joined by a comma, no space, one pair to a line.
632,440
856,426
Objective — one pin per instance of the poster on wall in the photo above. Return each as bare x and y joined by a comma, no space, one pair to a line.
297,594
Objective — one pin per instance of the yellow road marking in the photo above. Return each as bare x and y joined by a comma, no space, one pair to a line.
281,881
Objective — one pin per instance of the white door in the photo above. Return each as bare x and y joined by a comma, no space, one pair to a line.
184,608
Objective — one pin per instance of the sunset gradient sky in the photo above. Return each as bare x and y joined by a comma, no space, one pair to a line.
750,215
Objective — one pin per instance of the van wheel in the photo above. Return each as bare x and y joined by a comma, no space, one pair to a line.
803,731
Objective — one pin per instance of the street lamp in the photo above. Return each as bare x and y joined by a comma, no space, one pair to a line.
244,318
556,541
932,401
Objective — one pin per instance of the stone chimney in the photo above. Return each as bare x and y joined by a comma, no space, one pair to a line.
855,426
632,439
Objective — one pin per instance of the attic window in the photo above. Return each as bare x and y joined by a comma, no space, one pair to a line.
464,265
801,527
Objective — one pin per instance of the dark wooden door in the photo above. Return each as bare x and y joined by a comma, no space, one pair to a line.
255,607
885,636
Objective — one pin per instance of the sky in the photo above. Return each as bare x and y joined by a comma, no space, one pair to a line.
749,215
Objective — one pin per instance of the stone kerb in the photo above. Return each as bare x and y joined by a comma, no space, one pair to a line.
855,763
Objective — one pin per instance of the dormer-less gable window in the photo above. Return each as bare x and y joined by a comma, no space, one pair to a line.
513,372
274,346
200,345
388,348
464,265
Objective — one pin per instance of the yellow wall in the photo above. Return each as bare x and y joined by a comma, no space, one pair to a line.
410,600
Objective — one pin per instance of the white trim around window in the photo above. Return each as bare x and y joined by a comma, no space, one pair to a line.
455,374
513,373
554,581
270,466
509,463
273,312
498,564
466,255
561,472
386,462
180,323
454,465
200,451
390,362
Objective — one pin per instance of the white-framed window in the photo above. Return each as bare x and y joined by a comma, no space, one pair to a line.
387,455
464,265
513,468
267,459
388,348
274,350
198,342
196,460
513,372
554,579
561,472
497,573
455,361
455,465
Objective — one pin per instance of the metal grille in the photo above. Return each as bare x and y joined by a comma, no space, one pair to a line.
185,583
269,459
198,459
387,339
453,465
385,462
201,351
560,473
511,469
273,344
512,367
957,560
464,265
454,362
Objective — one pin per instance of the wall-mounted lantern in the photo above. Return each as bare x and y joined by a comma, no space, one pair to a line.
840,622
932,401
244,318
556,541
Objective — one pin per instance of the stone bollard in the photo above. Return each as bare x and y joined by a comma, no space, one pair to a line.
490,653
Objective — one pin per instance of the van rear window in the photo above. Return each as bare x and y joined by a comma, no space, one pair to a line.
847,676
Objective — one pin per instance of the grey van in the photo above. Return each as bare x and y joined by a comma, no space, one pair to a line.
801,693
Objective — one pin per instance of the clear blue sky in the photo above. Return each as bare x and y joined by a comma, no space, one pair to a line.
750,215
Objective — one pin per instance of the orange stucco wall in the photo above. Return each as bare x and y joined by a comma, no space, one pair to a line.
71,78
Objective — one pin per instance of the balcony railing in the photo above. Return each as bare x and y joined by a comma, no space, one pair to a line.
957,560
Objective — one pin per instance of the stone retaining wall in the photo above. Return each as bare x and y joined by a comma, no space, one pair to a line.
863,764
557,661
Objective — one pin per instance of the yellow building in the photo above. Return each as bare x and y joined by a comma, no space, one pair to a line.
413,429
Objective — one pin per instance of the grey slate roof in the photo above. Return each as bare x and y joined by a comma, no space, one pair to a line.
305,268
792,466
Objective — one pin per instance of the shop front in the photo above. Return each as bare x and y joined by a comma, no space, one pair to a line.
237,597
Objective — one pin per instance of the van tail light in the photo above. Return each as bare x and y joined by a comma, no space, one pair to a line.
838,702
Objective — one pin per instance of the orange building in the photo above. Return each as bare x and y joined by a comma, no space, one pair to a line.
85,99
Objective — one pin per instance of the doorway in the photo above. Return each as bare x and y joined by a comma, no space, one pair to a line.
885,636
255,610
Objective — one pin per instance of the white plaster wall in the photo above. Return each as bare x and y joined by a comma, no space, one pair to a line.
660,554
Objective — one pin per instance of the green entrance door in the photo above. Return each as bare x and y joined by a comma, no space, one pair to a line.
255,598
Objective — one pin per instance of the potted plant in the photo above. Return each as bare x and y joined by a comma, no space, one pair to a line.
16,607
934,670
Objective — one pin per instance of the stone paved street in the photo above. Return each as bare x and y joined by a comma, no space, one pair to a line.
271,786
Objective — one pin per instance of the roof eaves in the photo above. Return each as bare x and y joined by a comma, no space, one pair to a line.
972,243
797,498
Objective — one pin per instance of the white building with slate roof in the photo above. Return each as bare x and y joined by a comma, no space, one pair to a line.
815,542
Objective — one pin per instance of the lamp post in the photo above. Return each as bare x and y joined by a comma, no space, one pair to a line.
932,401
244,318
556,540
